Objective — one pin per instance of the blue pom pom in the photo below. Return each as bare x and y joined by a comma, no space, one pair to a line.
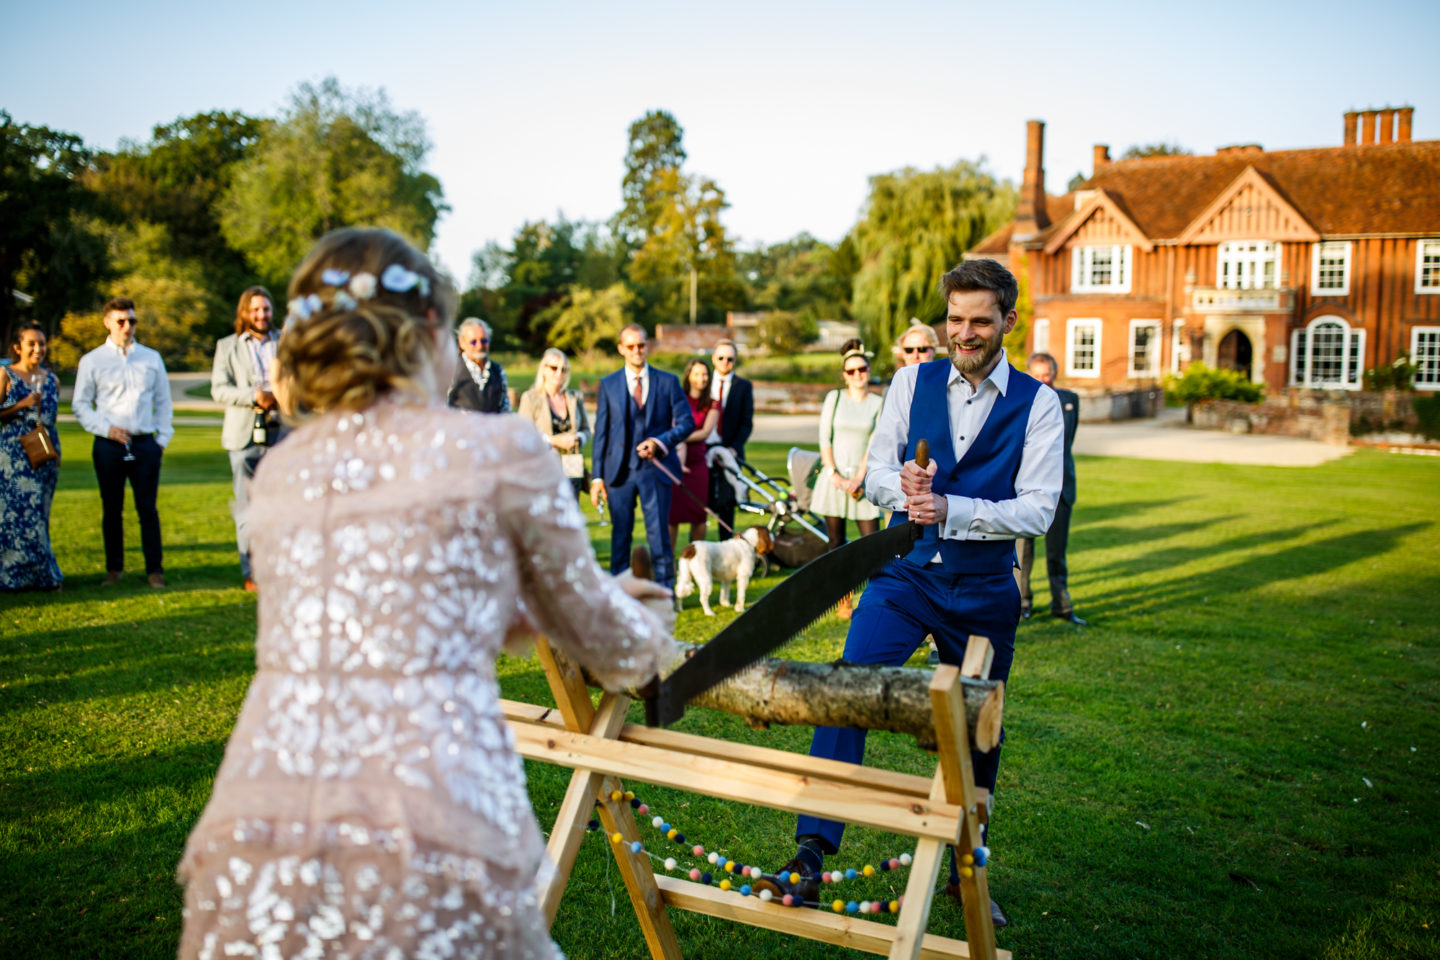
635,803
850,875
852,906
706,878
982,854
593,825
679,838
884,864
665,828
745,890
636,846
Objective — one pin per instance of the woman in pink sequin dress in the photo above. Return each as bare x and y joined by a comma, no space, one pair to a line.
371,803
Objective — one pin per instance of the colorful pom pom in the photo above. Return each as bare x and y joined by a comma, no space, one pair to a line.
634,804
629,794
616,837
636,846
706,877
725,884
694,873
967,859
745,890
967,872
657,823
869,870
767,895
906,859
714,857
670,863
850,873
894,864
698,850
643,809
894,906
794,878
616,795
593,825
680,839
838,906
671,834
851,907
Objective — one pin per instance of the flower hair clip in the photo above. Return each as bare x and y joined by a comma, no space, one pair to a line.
398,279
352,288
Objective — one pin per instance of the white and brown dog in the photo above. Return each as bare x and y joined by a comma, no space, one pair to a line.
702,564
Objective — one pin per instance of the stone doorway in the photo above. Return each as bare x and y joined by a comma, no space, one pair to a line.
1235,353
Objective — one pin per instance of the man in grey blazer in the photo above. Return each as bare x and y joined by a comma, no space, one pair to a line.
1042,367
240,379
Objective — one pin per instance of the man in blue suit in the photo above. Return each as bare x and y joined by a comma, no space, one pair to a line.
996,458
641,414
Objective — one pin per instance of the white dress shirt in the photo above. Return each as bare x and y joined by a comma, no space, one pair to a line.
123,388
719,389
644,376
262,357
1042,463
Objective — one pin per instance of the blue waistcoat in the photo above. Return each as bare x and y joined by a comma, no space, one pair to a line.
987,472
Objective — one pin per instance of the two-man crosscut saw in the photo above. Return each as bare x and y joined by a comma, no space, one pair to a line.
804,597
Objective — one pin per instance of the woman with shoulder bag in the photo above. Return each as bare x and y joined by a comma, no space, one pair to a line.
559,413
29,464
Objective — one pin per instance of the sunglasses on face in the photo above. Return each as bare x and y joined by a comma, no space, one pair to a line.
551,366
924,349
853,370
124,320
724,359
483,341
633,346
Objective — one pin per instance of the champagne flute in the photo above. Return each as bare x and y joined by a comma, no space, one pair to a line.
128,455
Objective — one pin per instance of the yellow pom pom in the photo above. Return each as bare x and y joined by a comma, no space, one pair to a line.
968,859
730,866
672,834
838,906
724,884
794,878
629,794
869,870
967,871
894,906
616,795
615,837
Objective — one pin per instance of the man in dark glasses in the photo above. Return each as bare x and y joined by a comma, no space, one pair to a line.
479,381
916,345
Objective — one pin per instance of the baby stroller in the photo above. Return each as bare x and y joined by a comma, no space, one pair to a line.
797,533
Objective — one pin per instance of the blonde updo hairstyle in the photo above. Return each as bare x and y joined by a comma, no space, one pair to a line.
351,351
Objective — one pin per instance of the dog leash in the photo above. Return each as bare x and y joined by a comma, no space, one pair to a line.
703,506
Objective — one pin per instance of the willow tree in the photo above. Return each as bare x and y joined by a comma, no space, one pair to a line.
915,226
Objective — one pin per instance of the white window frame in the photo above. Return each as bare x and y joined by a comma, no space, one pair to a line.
1431,361
1071,326
1316,254
1082,261
1352,352
1177,344
1230,252
1421,247
1040,344
1153,370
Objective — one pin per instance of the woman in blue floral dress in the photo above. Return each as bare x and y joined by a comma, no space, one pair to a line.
29,393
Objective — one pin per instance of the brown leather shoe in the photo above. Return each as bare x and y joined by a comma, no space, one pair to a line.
112,578
807,888
997,916
250,586
157,580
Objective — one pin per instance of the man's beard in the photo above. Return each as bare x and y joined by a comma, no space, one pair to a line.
971,364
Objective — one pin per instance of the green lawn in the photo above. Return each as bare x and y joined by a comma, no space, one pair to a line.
1230,762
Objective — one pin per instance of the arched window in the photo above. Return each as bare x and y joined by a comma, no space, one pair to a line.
1327,354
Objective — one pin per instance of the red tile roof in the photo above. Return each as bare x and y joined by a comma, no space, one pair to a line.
1059,209
1378,188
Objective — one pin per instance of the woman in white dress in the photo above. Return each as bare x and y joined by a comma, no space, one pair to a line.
371,804
847,421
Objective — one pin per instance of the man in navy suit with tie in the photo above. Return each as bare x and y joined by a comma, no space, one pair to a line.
641,414
996,459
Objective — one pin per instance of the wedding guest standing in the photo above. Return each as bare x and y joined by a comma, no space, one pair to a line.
29,399
735,399
371,802
695,475
559,414
240,379
847,422
122,396
479,382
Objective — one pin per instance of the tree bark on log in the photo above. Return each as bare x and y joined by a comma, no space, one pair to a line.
850,695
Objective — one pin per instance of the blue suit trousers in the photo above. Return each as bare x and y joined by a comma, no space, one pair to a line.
654,493
897,609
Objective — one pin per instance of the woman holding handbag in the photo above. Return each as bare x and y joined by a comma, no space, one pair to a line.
29,464
559,413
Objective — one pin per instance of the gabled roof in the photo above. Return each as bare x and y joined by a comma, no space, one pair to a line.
1100,206
1059,209
1337,191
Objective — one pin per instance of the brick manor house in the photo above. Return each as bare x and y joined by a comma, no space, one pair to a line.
1298,268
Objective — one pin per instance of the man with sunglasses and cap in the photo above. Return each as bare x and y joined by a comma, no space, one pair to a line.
122,396
479,383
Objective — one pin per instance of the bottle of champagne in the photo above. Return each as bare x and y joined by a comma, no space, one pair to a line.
258,434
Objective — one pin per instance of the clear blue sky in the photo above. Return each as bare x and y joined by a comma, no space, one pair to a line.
789,106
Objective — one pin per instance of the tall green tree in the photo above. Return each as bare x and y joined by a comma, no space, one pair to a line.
1158,149
336,157
655,147
802,274
915,226
50,246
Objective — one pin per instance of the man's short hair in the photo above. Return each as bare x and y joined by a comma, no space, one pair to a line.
1046,358
475,322
633,327
726,343
118,303
983,274
243,307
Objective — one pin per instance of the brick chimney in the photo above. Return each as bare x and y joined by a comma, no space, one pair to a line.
1407,114
1101,156
1351,118
1387,125
1367,127
1030,214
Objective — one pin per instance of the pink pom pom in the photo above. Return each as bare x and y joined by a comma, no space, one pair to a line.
644,808
894,864
825,877
694,873
698,850
788,900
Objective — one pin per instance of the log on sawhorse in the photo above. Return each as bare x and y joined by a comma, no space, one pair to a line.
602,749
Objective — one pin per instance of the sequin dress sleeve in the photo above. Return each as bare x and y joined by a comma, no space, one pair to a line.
370,799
